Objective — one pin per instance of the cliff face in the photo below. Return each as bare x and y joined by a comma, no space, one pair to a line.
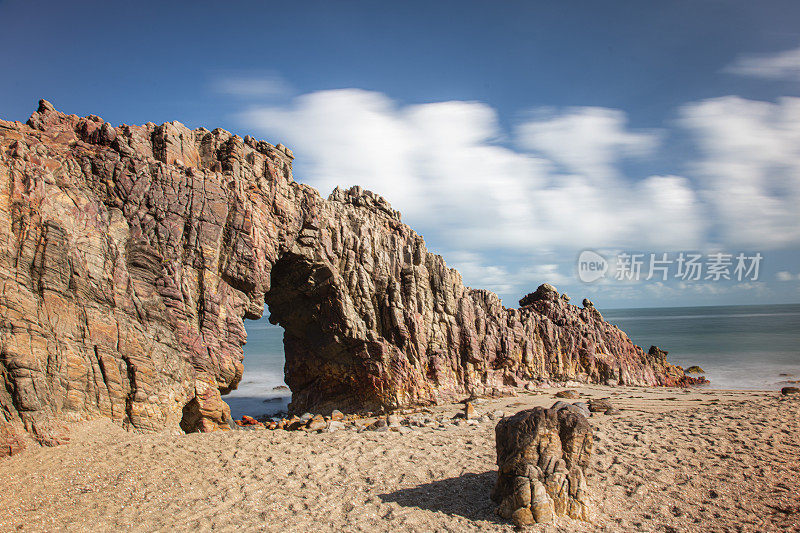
130,255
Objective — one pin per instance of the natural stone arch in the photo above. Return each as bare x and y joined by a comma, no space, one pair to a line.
132,254
319,357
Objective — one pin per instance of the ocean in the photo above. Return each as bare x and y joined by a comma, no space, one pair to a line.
739,347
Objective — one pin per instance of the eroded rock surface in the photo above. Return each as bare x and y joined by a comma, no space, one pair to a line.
541,457
131,254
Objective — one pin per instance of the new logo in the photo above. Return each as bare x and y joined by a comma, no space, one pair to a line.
591,266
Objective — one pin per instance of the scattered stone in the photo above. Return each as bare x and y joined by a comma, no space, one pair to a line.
469,411
694,370
293,423
600,405
613,412
530,387
379,424
393,421
545,292
337,415
335,425
305,417
568,394
316,423
248,421
786,391
541,457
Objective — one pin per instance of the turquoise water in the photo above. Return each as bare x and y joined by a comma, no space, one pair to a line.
739,347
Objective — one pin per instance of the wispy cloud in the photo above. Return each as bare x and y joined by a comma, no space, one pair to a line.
586,140
787,276
749,169
557,186
250,85
777,66
441,166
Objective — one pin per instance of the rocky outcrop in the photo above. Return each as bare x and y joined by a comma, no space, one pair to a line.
541,458
131,255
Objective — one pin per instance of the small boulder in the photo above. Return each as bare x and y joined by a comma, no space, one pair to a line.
294,423
694,369
469,411
541,457
334,425
379,425
657,353
544,292
316,423
599,405
568,394
786,391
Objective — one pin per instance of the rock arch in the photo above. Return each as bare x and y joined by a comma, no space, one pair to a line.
132,254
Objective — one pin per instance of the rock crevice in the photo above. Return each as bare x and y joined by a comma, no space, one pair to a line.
131,255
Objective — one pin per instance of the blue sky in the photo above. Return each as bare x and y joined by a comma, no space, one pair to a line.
512,135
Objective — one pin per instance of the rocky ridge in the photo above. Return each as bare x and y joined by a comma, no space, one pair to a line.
131,255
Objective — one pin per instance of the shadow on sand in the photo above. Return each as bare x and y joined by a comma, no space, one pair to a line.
466,495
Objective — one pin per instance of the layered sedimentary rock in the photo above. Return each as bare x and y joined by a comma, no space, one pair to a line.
541,458
132,254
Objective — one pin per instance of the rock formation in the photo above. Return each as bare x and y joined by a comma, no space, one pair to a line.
541,457
132,254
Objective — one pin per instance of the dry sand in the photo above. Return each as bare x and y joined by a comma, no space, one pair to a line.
673,460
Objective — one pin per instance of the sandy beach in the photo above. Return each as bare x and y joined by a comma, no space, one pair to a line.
673,460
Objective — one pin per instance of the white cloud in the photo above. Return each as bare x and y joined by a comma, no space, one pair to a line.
269,85
786,276
780,66
479,273
586,140
749,170
441,166
560,189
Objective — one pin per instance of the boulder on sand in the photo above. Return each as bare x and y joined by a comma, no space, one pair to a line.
541,458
